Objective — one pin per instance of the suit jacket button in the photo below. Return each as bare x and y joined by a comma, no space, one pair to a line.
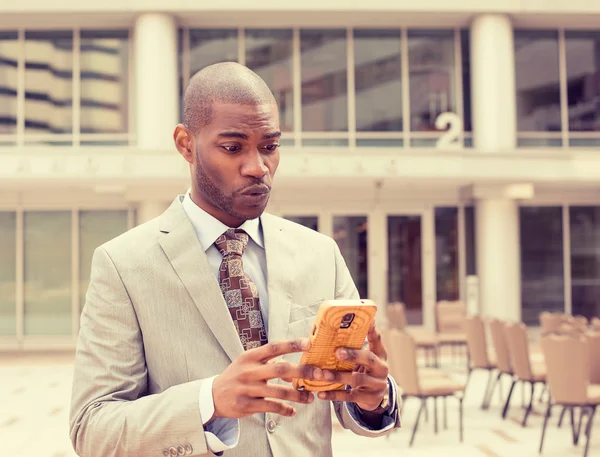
180,450
271,426
173,451
188,449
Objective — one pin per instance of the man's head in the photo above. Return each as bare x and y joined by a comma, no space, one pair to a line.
230,136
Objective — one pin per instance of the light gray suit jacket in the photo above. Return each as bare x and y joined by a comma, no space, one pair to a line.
155,325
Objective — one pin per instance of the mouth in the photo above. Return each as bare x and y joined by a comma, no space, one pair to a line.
257,191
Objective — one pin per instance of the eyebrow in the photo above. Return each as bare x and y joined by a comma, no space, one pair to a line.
243,136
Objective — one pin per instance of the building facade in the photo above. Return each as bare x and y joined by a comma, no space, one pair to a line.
433,142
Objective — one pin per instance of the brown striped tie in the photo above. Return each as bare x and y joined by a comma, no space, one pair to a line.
239,291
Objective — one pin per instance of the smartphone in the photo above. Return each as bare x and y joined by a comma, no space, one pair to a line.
339,323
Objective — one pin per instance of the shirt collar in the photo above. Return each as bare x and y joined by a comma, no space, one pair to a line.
209,228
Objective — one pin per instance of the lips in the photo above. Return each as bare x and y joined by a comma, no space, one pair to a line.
257,190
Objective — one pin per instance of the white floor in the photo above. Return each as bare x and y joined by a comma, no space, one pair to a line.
34,398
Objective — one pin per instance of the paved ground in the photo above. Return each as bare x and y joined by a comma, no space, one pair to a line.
34,397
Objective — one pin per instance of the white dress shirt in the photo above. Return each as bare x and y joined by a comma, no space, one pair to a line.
223,433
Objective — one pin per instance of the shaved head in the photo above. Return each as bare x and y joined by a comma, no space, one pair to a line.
225,82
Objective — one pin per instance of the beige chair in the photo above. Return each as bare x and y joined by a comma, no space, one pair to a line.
450,324
479,356
595,323
567,359
593,337
551,322
414,385
502,358
426,341
524,371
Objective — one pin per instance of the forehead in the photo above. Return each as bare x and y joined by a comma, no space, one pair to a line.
244,117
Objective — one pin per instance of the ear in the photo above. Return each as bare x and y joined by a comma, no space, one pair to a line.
184,142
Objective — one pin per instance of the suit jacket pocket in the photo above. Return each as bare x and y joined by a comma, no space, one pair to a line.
304,312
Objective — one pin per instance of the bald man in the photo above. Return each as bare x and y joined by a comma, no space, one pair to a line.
194,323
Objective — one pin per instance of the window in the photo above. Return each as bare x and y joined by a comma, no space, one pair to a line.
8,277
9,55
312,222
350,233
209,46
446,253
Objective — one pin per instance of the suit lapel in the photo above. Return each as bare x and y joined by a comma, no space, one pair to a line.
190,262
279,254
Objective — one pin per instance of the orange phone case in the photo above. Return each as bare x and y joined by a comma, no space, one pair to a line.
327,335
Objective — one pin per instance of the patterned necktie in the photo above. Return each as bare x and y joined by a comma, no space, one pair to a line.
240,293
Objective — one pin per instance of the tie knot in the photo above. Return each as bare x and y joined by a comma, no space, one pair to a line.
232,242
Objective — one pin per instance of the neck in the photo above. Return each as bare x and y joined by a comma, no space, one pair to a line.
215,212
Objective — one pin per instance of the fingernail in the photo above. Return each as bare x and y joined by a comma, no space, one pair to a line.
323,395
311,398
328,375
317,374
342,354
293,412
305,344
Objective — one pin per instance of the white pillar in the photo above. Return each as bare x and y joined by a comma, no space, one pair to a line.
493,89
148,210
156,80
493,95
498,258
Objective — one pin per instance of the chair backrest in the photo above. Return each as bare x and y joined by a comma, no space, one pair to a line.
570,328
518,349
476,341
450,316
580,322
551,322
392,351
500,346
593,337
396,314
408,377
567,371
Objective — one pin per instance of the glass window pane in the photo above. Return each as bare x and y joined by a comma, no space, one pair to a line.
324,81
465,45
49,82
208,46
446,253
96,228
585,260
269,54
105,88
470,241
431,72
542,282
405,282
537,79
350,233
312,222
583,80
47,267
378,82
8,277
9,54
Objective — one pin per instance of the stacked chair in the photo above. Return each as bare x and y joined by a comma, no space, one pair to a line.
450,324
479,356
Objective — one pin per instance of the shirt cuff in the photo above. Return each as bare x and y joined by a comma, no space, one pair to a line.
222,433
388,418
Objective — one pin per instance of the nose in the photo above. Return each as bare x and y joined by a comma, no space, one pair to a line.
254,166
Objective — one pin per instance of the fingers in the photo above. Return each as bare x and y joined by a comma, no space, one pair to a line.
271,350
352,396
279,392
356,379
375,366
375,343
285,370
256,405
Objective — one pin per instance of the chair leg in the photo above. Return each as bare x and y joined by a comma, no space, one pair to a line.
548,412
575,430
445,414
469,372
436,355
489,391
460,418
530,407
562,415
435,415
507,404
588,431
416,426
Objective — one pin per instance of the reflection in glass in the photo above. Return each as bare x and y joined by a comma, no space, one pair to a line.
404,265
446,253
8,277
208,46
378,82
537,79
583,80
269,54
312,222
431,67
324,82
470,241
585,260
542,284
350,233
47,268
9,54
49,82
105,89
96,228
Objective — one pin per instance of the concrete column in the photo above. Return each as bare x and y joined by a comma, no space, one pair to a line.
148,210
156,81
493,95
377,263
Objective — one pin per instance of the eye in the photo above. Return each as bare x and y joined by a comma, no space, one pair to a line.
232,148
271,147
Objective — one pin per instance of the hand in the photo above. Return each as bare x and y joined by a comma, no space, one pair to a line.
368,381
242,389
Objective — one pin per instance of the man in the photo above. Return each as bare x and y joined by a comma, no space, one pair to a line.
194,322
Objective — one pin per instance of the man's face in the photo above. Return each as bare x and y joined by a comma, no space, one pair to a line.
235,159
